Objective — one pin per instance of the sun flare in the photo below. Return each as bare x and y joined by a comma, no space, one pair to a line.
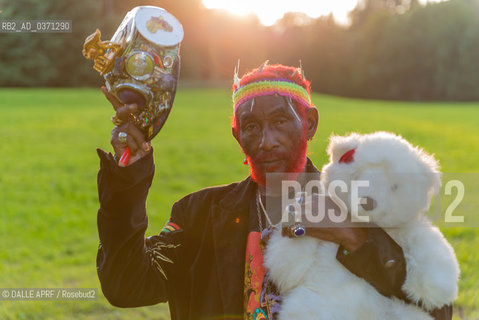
268,11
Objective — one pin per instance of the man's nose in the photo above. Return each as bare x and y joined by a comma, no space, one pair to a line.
268,140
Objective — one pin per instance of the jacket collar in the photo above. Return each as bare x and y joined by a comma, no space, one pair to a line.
238,198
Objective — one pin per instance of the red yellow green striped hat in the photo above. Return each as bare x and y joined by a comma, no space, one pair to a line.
269,80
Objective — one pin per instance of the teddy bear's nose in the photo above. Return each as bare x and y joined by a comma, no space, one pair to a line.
369,204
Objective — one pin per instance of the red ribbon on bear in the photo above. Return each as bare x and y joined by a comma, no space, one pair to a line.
348,156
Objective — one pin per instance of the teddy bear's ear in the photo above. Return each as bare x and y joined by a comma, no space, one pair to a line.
343,147
433,171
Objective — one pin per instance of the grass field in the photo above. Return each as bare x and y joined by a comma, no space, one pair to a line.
48,196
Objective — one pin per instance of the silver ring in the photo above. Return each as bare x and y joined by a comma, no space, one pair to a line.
297,231
122,137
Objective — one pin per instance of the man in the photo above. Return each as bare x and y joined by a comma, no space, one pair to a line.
207,261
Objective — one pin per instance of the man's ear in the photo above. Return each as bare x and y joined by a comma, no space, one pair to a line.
235,134
312,118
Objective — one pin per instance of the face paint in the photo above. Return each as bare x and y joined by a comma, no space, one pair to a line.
292,109
272,138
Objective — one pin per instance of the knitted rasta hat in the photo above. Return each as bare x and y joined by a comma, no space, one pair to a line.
272,79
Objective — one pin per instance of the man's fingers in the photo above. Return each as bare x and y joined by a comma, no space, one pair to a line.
325,234
132,144
123,112
131,137
134,139
139,138
113,100
126,139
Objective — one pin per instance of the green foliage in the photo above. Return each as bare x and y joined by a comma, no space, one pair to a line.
50,59
428,53
48,196
394,49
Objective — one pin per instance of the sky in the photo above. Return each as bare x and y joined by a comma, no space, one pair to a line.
268,11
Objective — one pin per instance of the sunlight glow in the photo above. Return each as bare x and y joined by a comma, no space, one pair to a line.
268,11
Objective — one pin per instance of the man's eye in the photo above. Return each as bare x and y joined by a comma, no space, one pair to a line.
251,127
279,122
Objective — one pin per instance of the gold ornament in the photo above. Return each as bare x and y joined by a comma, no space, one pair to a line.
103,53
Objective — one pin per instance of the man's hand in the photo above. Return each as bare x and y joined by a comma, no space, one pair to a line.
135,139
338,229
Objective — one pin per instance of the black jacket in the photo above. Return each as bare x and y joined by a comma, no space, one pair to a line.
199,269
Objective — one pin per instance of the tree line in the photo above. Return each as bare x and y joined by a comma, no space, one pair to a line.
393,49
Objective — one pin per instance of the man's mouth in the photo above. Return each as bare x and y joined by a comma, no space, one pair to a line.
268,161
271,163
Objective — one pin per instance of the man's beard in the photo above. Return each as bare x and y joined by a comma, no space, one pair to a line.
296,162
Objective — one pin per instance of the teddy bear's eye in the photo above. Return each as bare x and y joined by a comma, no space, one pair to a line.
394,187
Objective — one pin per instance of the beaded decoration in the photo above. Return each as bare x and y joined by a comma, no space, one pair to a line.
281,87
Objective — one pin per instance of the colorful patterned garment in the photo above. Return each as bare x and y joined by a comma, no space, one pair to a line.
262,300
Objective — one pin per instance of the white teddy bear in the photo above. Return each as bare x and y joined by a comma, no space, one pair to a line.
402,180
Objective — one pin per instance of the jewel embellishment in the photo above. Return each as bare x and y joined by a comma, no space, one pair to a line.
298,231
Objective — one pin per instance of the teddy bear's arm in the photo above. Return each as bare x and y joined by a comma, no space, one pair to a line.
432,268
381,262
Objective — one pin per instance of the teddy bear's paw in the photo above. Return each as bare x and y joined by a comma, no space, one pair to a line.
432,276
433,295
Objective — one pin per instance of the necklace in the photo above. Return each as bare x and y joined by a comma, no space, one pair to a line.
259,204
268,304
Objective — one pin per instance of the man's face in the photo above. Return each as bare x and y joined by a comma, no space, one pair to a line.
272,137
